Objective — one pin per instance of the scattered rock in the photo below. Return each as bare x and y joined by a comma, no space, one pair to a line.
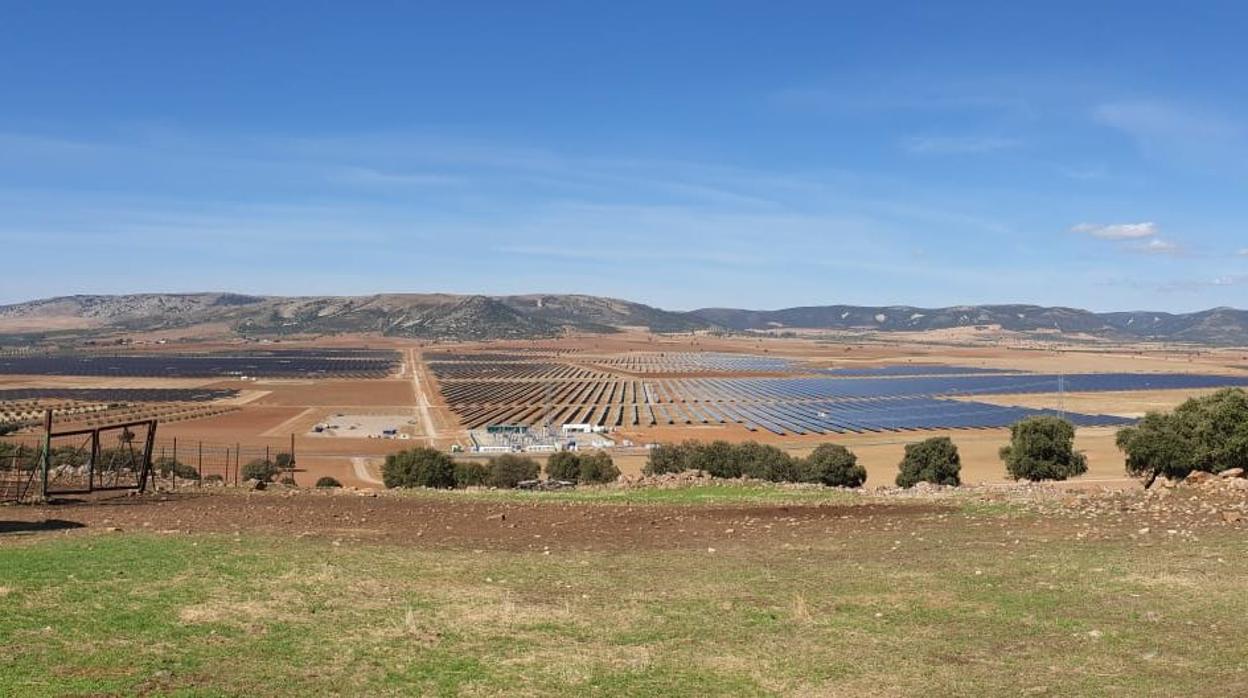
1196,477
1232,472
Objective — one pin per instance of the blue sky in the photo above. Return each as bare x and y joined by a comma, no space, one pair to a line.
688,154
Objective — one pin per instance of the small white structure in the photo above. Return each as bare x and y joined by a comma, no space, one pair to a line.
582,429
494,449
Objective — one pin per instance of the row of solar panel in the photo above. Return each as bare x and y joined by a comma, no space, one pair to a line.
199,366
117,394
887,415
914,370
850,388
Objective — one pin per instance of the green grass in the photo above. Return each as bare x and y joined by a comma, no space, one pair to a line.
971,605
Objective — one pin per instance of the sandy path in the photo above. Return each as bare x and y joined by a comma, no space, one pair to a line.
422,400
360,466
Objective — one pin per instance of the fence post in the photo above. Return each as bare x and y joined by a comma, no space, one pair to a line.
175,463
237,452
46,461
292,455
200,465
95,458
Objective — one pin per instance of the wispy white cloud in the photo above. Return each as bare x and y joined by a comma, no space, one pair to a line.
1117,231
1158,246
371,176
1153,120
1197,285
954,145
1182,133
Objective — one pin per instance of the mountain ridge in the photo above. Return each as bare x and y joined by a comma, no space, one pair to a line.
525,316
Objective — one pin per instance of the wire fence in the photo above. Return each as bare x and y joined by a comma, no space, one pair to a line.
75,465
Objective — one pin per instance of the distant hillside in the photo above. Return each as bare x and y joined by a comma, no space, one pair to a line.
1216,326
429,316
475,317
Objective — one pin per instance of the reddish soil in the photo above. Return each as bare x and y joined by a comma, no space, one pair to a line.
349,516
329,393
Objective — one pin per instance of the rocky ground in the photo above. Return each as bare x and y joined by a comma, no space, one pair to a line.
537,521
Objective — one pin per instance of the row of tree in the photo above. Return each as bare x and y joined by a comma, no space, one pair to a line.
934,460
429,467
829,464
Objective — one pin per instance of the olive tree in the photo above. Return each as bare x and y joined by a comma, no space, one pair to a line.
1043,448
835,466
1208,433
933,460
419,467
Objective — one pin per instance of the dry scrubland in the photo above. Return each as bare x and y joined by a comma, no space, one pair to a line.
721,589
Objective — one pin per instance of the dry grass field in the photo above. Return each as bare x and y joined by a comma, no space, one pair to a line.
695,591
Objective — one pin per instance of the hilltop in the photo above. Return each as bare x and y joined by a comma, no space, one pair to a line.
481,317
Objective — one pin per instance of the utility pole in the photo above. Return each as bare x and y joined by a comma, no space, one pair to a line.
1061,395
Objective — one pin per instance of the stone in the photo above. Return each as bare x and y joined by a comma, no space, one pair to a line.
1196,477
1232,472
1232,516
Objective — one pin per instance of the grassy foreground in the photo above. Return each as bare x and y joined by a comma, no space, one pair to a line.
976,604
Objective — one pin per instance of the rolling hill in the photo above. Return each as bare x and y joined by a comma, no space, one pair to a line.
479,317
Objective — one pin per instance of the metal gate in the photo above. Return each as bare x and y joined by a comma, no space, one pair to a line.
113,457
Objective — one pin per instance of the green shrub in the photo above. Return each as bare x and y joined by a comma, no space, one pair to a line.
471,474
934,460
259,469
72,456
211,479
669,458
764,462
598,467
284,461
722,459
564,465
1208,433
509,470
718,459
168,467
835,466
7,428
1043,448
327,483
419,467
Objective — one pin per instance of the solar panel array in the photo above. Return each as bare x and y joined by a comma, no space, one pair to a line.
110,395
267,364
695,362
912,370
511,390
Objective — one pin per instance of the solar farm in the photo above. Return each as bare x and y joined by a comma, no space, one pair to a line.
793,398
257,364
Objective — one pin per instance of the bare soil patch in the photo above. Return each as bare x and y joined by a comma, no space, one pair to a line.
460,521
